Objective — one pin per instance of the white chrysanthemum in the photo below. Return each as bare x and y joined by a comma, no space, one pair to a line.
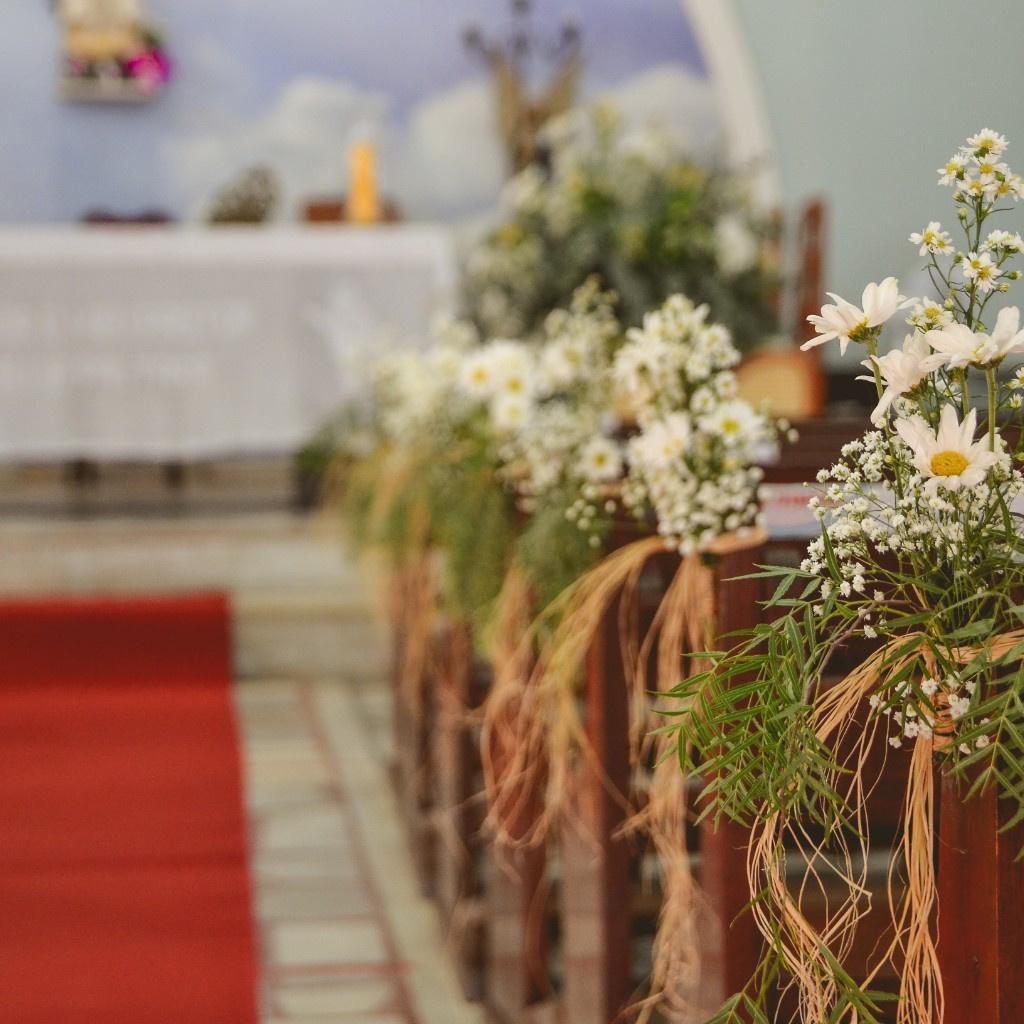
900,370
663,444
981,270
949,457
848,322
957,345
987,143
510,411
734,423
932,239
477,377
600,460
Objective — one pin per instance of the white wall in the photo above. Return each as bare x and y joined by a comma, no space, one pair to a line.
866,98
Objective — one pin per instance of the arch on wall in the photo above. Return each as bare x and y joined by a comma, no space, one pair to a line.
738,91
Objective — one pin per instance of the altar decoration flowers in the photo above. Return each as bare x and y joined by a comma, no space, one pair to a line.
920,556
643,449
633,210
111,51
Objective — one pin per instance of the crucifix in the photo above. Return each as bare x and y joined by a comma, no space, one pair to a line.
521,113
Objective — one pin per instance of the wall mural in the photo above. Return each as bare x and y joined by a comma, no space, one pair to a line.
291,85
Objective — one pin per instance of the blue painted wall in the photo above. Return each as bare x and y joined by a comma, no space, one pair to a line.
292,82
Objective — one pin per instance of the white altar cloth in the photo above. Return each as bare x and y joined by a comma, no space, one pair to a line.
175,343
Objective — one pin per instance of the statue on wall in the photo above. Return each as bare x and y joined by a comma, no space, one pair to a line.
521,113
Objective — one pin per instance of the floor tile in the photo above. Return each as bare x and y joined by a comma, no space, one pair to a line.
312,943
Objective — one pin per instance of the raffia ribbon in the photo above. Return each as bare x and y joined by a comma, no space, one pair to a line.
534,714
807,950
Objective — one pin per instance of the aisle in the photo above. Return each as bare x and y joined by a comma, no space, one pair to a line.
345,935
123,870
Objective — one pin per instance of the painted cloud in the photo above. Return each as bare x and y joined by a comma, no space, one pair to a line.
443,161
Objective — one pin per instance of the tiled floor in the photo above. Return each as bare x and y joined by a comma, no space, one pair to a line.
329,891
327,949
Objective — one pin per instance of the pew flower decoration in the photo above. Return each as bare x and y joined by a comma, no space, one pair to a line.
920,560
692,459
567,443
429,482
645,452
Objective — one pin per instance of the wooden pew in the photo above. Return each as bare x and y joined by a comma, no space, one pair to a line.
981,909
589,907
413,713
461,682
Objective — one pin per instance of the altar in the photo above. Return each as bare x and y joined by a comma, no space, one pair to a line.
186,344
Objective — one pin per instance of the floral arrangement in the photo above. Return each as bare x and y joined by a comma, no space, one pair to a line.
103,48
589,428
425,475
595,426
633,211
692,460
557,469
920,558
635,443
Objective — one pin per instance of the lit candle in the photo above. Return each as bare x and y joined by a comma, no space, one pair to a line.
363,204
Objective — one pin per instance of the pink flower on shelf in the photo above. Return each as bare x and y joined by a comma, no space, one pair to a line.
150,68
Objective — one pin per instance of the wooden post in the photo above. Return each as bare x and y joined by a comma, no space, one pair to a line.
981,909
456,760
516,894
732,951
413,710
595,861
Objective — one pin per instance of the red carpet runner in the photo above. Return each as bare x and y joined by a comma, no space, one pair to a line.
124,888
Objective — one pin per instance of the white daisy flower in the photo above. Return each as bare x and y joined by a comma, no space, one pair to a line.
477,375
510,412
953,170
600,460
981,270
948,457
957,346
987,143
847,322
734,422
901,371
932,239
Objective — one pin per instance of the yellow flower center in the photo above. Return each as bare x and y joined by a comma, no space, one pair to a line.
730,426
859,331
479,375
509,235
948,463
